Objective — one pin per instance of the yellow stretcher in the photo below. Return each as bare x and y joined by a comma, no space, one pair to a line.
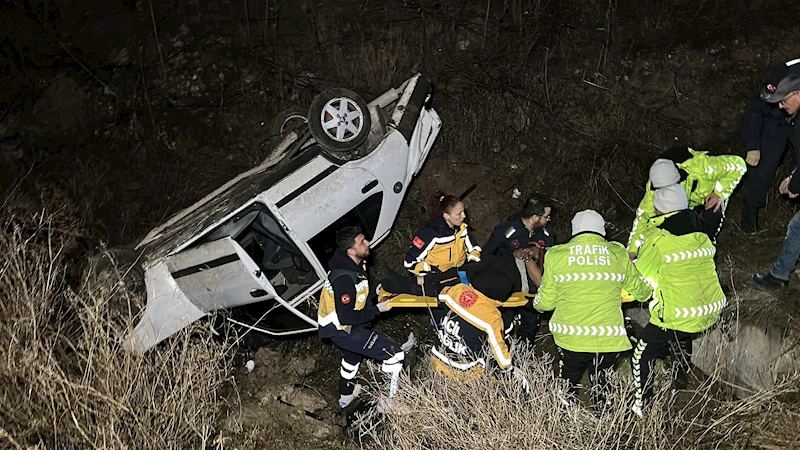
417,301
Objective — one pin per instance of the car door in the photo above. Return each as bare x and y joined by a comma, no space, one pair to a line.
219,274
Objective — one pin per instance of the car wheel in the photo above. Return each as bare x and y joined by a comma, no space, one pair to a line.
287,121
284,123
339,120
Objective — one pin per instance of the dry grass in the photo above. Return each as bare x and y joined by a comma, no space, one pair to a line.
66,381
436,412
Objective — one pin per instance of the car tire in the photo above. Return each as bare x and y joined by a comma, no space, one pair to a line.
339,120
286,121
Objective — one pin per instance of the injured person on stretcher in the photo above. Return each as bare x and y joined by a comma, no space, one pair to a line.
421,291
464,304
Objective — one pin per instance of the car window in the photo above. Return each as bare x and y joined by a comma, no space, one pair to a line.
266,242
364,215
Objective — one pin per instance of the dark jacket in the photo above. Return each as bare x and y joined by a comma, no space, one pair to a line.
794,137
345,302
437,247
512,235
766,127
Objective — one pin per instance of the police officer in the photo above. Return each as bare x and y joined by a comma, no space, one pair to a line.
345,314
766,128
444,243
677,258
525,235
708,181
582,282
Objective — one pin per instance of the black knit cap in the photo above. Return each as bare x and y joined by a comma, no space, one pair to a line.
783,80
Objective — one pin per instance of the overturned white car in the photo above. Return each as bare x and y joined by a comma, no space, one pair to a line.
266,236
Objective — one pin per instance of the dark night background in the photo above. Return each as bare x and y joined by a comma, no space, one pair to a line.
121,113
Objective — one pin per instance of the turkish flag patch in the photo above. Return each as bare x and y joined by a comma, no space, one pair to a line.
345,299
419,243
467,298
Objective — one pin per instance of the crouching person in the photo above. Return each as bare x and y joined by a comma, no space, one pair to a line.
582,282
345,313
677,257
469,319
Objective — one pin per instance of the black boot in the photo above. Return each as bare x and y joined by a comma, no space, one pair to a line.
680,379
767,281
749,222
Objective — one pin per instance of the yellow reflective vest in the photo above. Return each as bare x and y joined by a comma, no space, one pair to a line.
582,282
706,174
437,247
688,296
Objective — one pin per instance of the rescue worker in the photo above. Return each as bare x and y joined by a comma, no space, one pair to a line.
786,93
345,314
766,129
444,243
582,282
529,227
525,235
677,258
469,319
708,181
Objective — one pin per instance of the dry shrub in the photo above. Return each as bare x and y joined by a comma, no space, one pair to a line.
436,412
66,381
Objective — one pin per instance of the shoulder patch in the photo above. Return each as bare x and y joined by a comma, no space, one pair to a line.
467,298
417,242
345,299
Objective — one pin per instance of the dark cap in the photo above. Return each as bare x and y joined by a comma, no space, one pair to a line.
783,80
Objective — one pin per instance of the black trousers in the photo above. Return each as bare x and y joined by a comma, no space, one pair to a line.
528,322
573,365
361,343
658,343
713,221
755,184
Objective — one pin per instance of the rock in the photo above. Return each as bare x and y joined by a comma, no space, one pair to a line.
304,424
303,398
755,358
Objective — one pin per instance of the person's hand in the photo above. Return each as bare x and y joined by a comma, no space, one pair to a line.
714,201
384,306
784,187
753,157
526,254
